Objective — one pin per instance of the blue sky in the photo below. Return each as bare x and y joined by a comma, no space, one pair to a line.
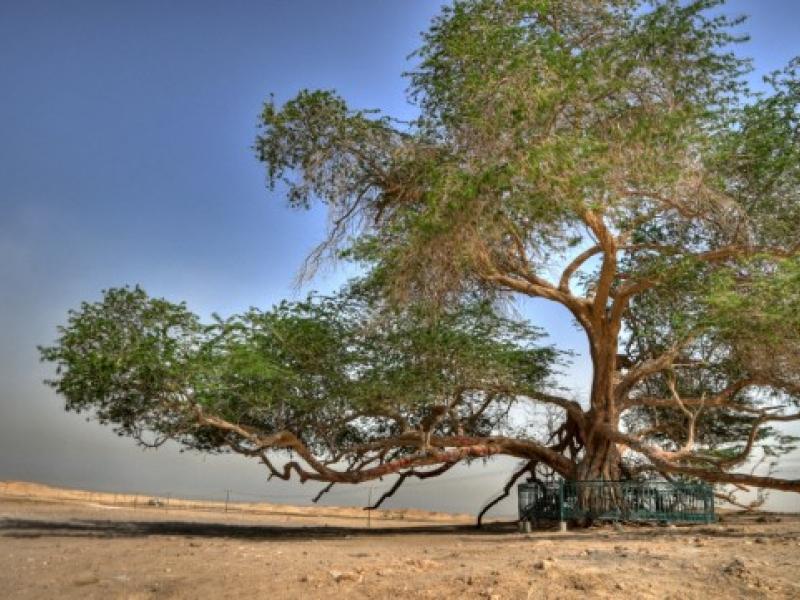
125,157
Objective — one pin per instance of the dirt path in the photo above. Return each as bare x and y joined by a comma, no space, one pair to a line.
69,550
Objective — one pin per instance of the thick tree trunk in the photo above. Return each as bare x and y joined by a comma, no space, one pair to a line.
600,462
601,459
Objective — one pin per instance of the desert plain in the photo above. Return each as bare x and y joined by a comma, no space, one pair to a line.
70,544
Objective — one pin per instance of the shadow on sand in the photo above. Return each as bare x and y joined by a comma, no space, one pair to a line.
33,528
37,528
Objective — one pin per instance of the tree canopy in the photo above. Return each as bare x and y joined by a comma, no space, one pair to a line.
334,379
613,142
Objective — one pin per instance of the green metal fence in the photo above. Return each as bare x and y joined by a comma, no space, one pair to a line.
616,501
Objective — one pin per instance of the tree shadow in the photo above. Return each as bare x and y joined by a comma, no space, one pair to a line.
37,528
99,528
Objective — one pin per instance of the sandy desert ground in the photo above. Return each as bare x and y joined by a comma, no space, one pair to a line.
69,544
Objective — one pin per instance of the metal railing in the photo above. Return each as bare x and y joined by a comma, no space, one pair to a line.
616,501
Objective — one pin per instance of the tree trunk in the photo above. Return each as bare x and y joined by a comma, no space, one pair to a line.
601,459
600,462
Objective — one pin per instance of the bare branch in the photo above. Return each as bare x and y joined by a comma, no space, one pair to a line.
322,492
662,460
576,264
648,368
527,467
403,476
722,399
452,449
577,306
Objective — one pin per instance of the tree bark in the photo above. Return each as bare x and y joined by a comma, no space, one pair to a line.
601,459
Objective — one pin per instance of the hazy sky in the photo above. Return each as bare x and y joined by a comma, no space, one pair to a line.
125,135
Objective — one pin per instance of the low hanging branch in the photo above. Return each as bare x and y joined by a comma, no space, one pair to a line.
528,467
405,475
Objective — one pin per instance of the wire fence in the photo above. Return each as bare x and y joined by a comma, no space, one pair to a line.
229,501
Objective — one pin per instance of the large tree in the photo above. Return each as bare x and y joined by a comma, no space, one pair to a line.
615,142
610,143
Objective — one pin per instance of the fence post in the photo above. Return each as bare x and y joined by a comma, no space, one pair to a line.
562,525
369,509
710,516
227,498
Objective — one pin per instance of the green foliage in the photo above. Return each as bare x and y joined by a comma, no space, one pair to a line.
317,132
532,113
547,125
758,159
755,308
126,358
328,369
